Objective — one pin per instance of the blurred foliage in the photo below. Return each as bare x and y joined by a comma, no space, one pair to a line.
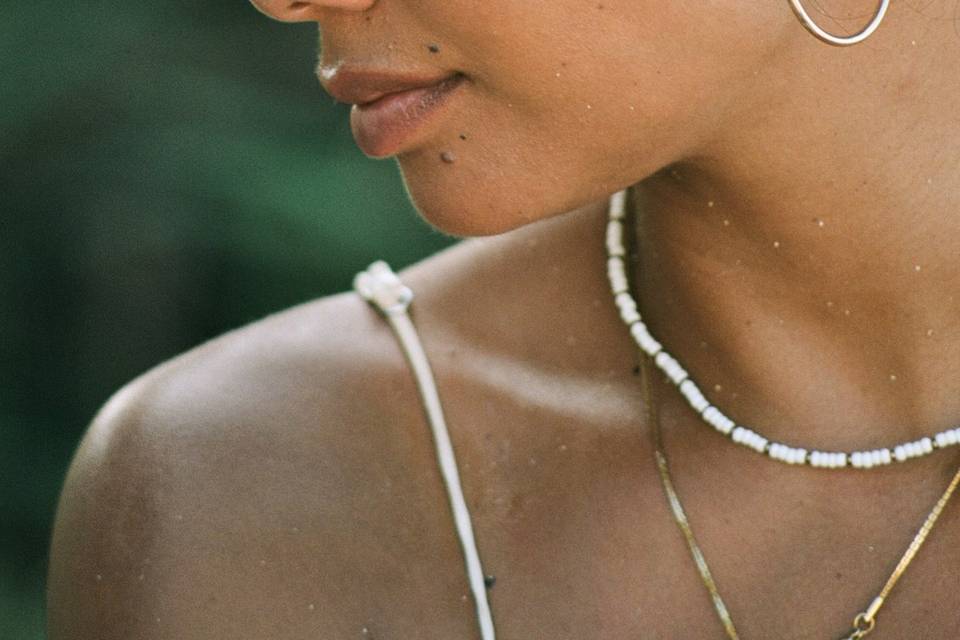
168,171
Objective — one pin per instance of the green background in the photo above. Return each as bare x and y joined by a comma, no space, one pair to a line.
168,171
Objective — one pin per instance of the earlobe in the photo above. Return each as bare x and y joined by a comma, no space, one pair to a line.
286,11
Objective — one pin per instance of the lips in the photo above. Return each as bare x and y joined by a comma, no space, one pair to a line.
390,109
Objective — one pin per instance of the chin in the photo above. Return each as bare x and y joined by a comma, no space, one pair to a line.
469,199
462,219
468,207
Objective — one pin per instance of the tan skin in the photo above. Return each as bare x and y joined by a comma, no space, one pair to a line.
799,255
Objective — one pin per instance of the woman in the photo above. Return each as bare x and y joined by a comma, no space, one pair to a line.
797,231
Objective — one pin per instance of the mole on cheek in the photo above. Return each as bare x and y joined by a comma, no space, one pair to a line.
433,48
448,156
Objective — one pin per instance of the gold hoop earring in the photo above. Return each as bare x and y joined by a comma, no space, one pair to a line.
839,41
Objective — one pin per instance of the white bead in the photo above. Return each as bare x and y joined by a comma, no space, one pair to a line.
750,438
760,443
694,396
618,205
710,414
629,314
900,453
618,283
726,424
720,422
644,340
782,452
615,238
927,445
776,451
941,439
628,308
671,367
788,454
616,268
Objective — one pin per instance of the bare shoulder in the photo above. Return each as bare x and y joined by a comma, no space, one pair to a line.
264,478
282,476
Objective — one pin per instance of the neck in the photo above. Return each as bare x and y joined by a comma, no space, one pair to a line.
806,270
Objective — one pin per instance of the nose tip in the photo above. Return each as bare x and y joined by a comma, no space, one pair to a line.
286,11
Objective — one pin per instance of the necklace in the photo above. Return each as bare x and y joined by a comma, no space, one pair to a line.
865,621
710,414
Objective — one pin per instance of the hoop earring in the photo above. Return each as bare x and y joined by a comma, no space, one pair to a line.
839,41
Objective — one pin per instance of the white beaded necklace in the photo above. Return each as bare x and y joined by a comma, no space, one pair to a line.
619,283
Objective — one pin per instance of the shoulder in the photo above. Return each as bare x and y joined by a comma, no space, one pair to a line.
224,467
285,468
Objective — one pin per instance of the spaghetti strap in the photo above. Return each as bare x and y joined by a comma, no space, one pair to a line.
381,287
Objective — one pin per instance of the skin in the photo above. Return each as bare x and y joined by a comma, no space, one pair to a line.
798,254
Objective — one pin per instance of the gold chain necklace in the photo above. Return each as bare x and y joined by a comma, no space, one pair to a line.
864,623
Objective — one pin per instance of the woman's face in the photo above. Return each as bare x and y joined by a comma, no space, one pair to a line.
563,101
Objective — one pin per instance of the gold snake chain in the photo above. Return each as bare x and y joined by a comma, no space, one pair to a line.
864,623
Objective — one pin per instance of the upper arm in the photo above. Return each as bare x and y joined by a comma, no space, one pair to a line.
105,520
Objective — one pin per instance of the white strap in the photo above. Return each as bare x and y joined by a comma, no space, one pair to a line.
380,286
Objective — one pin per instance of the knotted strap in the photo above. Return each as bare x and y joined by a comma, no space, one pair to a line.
381,287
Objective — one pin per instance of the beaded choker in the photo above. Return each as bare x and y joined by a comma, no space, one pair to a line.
745,436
